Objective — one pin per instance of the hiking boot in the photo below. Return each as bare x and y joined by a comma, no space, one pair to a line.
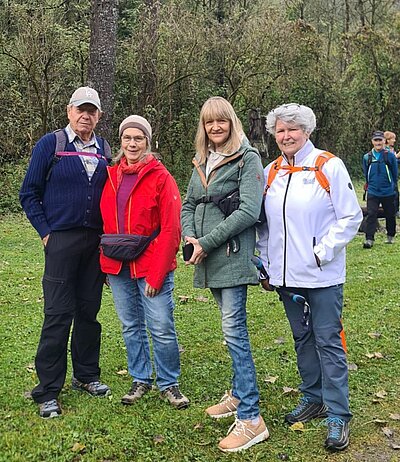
175,397
49,409
368,244
95,388
389,240
137,390
244,435
226,407
338,434
306,411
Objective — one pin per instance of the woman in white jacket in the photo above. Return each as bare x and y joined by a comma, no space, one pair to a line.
302,246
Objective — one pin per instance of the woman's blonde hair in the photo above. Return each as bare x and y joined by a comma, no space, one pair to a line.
213,109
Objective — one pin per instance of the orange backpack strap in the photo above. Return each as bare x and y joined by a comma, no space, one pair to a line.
319,175
272,173
200,172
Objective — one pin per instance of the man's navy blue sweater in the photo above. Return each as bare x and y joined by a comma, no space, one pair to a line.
67,199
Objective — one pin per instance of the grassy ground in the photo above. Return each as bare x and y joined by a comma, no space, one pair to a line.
104,430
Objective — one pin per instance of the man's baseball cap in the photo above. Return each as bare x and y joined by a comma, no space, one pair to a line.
85,95
378,135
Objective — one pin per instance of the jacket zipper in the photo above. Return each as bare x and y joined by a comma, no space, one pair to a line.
285,230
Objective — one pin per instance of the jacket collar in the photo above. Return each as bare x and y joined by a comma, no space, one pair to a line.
301,154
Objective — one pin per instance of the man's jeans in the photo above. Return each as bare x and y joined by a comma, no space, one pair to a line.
136,311
321,359
232,304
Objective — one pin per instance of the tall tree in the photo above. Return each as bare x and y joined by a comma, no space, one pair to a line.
102,56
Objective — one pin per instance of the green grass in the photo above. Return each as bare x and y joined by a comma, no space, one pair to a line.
151,430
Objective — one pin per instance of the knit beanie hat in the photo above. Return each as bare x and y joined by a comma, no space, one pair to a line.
136,121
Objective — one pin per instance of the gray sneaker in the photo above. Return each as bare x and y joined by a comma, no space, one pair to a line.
338,434
138,389
49,409
95,388
368,244
389,239
305,411
175,397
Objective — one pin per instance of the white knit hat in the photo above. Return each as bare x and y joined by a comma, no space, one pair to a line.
136,121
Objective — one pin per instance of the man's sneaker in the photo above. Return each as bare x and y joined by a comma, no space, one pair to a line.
137,390
368,244
95,388
175,397
49,409
306,411
390,240
226,407
244,435
338,434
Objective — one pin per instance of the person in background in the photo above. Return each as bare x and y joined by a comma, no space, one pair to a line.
61,197
223,243
302,247
380,172
141,199
390,139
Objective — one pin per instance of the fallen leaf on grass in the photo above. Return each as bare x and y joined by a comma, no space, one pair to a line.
394,416
30,367
181,349
379,421
352,367
183,298
381,394
201,299
28,395
297,427
374,334
158,439
78,447
122,372
376,355
279,340
395,445
287,390
387,431
271,378
283,456
198,426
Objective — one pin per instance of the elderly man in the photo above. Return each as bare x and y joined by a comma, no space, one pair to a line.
380,171
60,196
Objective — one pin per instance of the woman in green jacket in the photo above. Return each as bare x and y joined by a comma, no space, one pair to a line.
226,166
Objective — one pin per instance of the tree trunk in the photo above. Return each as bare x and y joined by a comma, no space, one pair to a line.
102,55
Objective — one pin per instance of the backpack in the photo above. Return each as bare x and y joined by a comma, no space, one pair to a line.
369,162
319,175
61,141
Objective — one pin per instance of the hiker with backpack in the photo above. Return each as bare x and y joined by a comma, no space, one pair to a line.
380,172
61,197
312,213
390,140
219,213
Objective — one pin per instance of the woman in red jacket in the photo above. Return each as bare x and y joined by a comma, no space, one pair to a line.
141,198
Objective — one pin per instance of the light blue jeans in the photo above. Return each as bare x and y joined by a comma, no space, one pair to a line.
232,304
138,313
321,359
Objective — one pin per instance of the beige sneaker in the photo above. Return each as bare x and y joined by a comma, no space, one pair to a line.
244,435
226,407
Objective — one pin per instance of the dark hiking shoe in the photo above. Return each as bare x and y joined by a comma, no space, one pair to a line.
49,409
175,397
95,388
338,434
306,411
368,244
137,390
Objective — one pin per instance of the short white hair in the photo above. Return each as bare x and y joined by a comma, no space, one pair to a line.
291,113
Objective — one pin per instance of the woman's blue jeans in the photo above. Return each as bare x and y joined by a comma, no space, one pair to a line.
232,304
321,358
138,313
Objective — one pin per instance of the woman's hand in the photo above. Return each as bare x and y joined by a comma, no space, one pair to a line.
265,285
150,291
198,253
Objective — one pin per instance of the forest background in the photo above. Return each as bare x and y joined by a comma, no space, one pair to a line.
165,58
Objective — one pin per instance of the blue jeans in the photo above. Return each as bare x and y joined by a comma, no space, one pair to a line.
136,312
321,359
232,304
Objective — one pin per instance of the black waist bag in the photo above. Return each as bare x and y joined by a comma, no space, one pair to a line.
125,247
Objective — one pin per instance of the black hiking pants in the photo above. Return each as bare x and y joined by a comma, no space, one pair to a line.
388,205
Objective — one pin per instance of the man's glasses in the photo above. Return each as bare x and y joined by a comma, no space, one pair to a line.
136,139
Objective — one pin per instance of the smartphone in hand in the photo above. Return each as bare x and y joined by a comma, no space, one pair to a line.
187,251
